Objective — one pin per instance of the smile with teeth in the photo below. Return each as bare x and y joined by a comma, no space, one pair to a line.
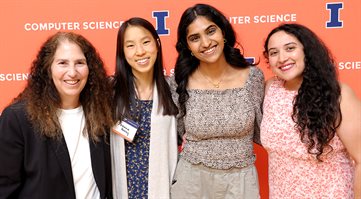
71,82
286,67
209,51
142,61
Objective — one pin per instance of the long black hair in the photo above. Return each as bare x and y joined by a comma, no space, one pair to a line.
186,64
316,109
124,91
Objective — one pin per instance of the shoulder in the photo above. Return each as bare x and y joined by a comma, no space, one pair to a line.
15,115
347,92
269,83
171,81
349,100
14,108
256,76
257,72
13,119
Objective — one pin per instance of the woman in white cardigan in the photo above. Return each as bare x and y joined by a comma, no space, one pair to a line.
144,142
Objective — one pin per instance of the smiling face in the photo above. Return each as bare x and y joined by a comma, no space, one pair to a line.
69,71
140,50
286,58
205,40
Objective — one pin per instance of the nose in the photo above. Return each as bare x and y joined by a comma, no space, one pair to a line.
205,41
72,71
283,56
140,50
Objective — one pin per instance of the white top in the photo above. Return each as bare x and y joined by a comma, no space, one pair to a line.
163,154
72,122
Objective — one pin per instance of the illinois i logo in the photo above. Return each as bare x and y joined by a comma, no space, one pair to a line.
161,25
334,15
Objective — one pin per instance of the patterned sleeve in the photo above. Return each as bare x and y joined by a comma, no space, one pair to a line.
258,95
180,122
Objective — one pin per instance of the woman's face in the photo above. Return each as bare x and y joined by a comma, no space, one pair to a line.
69,72
140,50
286,57
205,40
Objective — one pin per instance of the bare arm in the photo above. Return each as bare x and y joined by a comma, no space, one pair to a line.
350,131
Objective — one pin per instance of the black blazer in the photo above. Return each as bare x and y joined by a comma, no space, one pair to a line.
34,166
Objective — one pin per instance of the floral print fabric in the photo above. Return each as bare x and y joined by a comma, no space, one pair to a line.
293,172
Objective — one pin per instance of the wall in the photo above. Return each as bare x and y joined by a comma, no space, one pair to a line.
26,24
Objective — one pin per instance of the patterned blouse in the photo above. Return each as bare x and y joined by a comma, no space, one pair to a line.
220,125
293,172
137,152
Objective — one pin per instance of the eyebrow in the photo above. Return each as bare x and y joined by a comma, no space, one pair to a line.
210,26
290,43
143,38
284,45
67,60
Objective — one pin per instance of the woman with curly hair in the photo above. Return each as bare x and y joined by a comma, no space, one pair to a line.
219,95
53,138
311,123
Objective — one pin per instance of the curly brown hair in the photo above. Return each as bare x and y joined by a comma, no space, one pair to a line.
316,108
43,100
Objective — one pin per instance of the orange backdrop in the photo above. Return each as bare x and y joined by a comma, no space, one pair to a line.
26,24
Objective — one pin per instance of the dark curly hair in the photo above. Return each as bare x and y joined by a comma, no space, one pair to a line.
186,64
123,81
42,98
316,108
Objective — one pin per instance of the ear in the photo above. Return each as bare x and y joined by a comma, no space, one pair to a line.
158,42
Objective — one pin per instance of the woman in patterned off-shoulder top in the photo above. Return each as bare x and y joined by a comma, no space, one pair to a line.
219,95
311,123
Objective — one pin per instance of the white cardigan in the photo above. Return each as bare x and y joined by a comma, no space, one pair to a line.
163,154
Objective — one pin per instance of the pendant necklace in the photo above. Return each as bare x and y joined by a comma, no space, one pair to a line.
215,85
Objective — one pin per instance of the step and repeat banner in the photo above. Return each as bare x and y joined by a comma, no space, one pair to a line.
25,25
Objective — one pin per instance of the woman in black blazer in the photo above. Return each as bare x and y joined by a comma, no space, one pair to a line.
54,140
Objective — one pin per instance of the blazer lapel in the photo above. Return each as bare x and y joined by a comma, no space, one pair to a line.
98,161
62,155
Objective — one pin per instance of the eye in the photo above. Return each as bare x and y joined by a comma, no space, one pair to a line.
193,38
290,48
146,42
272,53
211,30
81,63
129,46
62,63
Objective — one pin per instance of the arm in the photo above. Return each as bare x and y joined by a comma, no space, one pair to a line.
180,123
258,96
264,89
11,154
350,131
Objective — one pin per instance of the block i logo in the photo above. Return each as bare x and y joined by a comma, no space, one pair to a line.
161,25
334,15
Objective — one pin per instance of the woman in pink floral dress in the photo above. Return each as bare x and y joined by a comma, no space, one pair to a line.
311,122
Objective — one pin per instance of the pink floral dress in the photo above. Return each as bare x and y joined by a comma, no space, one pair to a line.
293,172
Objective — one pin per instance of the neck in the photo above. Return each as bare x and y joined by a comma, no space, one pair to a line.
144,87
214,70
293,84
213,73
70,103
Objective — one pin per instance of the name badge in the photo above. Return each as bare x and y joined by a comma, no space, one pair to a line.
126,129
